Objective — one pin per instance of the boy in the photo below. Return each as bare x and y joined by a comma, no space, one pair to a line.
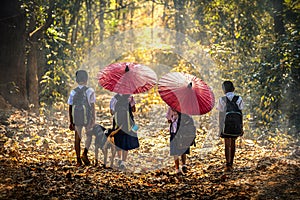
229,140
82,115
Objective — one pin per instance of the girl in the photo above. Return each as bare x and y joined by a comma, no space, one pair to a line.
229,141
174,118
126,138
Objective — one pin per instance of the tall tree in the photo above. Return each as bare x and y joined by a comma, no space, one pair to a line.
179,20
12,54
278,17
101,19
34,37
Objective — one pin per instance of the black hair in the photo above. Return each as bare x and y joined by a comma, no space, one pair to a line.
228,86
81,76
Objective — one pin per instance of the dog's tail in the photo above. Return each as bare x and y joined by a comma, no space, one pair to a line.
115,131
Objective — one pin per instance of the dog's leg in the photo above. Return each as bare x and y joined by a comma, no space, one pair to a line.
104,150
113,154
96,154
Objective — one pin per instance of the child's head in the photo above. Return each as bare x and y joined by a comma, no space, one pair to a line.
81,77
227,86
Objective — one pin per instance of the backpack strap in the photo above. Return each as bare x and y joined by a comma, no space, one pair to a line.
235,98
85,88
77,89
233,103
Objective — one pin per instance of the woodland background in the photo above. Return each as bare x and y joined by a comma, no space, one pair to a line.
255,44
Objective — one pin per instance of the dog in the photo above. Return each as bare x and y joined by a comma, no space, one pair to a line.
104,140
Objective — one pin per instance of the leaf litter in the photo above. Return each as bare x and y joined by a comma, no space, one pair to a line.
37,159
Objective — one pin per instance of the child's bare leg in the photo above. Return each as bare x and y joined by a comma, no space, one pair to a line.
229,152
88,141
120,154
183,160
176,160
124,155
77,145
124,158
227,144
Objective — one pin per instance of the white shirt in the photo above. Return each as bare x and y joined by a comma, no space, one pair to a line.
173,117
222,104
90,93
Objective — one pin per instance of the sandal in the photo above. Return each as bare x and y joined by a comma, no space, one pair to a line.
228,167
79,162
178,172
85,159
119,163
184,169
122,166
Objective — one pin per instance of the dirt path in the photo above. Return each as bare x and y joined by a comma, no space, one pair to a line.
37,162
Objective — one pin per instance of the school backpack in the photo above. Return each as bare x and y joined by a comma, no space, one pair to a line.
186,134
81,109
233,118
123,115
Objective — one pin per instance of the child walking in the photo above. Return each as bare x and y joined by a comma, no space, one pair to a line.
82,114
178,127
122,106
223,106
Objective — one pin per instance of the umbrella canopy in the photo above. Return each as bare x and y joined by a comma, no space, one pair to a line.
127,78
186,93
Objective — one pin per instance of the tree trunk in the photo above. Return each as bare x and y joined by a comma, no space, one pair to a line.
101,20
73,21
278,17
179,21
12,54
32,76
32,58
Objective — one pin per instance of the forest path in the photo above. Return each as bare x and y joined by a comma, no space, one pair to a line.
38,162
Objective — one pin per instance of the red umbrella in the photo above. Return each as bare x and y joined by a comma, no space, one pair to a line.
127,78
186,93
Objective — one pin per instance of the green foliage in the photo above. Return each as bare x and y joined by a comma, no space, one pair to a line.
55,80
262,65
239,35
54,88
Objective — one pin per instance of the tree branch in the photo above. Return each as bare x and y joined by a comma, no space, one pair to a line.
117,9
37,32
